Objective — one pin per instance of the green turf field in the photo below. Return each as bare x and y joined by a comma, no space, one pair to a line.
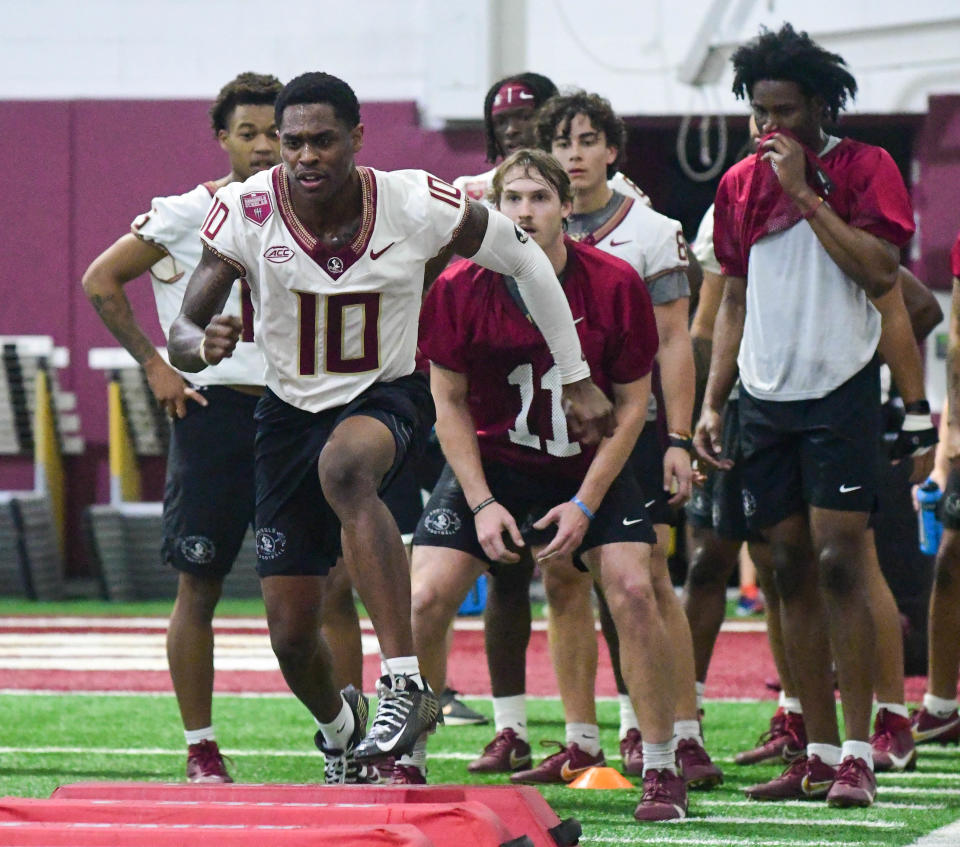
49,740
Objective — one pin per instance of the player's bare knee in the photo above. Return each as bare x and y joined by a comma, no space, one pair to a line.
838,574
632,594
198,596
947,564
346,478
708,569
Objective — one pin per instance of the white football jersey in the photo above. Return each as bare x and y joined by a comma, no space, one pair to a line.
333,322
478,187
173,225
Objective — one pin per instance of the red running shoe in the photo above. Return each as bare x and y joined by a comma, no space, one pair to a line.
805,778
698,771
664,797
631,753
407,775
855,784
892,742
563,766
205,763
926,727
507,752
785,740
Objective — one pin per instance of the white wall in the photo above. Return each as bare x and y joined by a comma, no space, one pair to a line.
444,53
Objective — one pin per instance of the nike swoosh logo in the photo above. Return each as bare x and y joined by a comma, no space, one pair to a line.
524,96
648,504
815,787
846,489
577,320
568,774
516,761
618,243
631,523
376,255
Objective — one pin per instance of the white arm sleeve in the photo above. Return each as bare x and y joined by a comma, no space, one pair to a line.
508,250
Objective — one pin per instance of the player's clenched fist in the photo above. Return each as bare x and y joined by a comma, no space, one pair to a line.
220,338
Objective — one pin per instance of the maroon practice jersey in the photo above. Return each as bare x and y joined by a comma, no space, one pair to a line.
470,323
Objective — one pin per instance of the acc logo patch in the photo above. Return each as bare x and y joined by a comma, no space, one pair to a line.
257,206
749,503
197,549
522,237
277,255
334,265
271,543
442,521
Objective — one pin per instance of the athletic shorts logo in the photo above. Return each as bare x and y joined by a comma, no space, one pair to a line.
257,206
951,505
442,521
271,543
198,549
278,254
749,503
334,265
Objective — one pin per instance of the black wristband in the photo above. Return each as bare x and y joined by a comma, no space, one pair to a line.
680,441
917,407
484,504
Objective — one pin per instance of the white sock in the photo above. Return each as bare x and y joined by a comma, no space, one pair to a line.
939,706
894,709
337,733
585,735
406,665
829,754
859,750
701,687
661,757
195,736
511,713
687,729
628,717
791,704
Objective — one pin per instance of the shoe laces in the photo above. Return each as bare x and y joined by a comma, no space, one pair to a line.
849,770
564,750
655,790
209,758
502,741
394,706
690,749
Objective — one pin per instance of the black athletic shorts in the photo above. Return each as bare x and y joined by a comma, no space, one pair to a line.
718,503
948,508
298,532
448,522
646,464
801,453
208,499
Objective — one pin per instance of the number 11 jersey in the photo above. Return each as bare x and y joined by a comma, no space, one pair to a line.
471,324
331,322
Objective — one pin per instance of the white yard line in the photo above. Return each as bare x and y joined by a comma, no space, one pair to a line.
947,836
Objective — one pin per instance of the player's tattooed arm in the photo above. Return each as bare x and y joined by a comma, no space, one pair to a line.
200,335
103,283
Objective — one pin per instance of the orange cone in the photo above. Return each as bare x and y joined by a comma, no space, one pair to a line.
601,778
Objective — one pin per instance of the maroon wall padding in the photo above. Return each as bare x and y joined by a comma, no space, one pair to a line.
936,194
75,174
134,835
468,822
521,807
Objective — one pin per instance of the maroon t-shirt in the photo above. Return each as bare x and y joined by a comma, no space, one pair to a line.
470,323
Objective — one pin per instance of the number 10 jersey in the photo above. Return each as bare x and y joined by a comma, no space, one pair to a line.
333,322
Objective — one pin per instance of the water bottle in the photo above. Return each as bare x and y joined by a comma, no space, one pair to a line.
928,496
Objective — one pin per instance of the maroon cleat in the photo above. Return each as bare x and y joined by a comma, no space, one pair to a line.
805,778
631,753
892,742
664,797
855,784
693,762
563,766
786,740
507,752
927,727
205,763
407,775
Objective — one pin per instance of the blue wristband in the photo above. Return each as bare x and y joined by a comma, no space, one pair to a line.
582,506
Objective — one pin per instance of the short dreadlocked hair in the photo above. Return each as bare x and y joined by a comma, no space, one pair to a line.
794,57
248,89
543,89
556,114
